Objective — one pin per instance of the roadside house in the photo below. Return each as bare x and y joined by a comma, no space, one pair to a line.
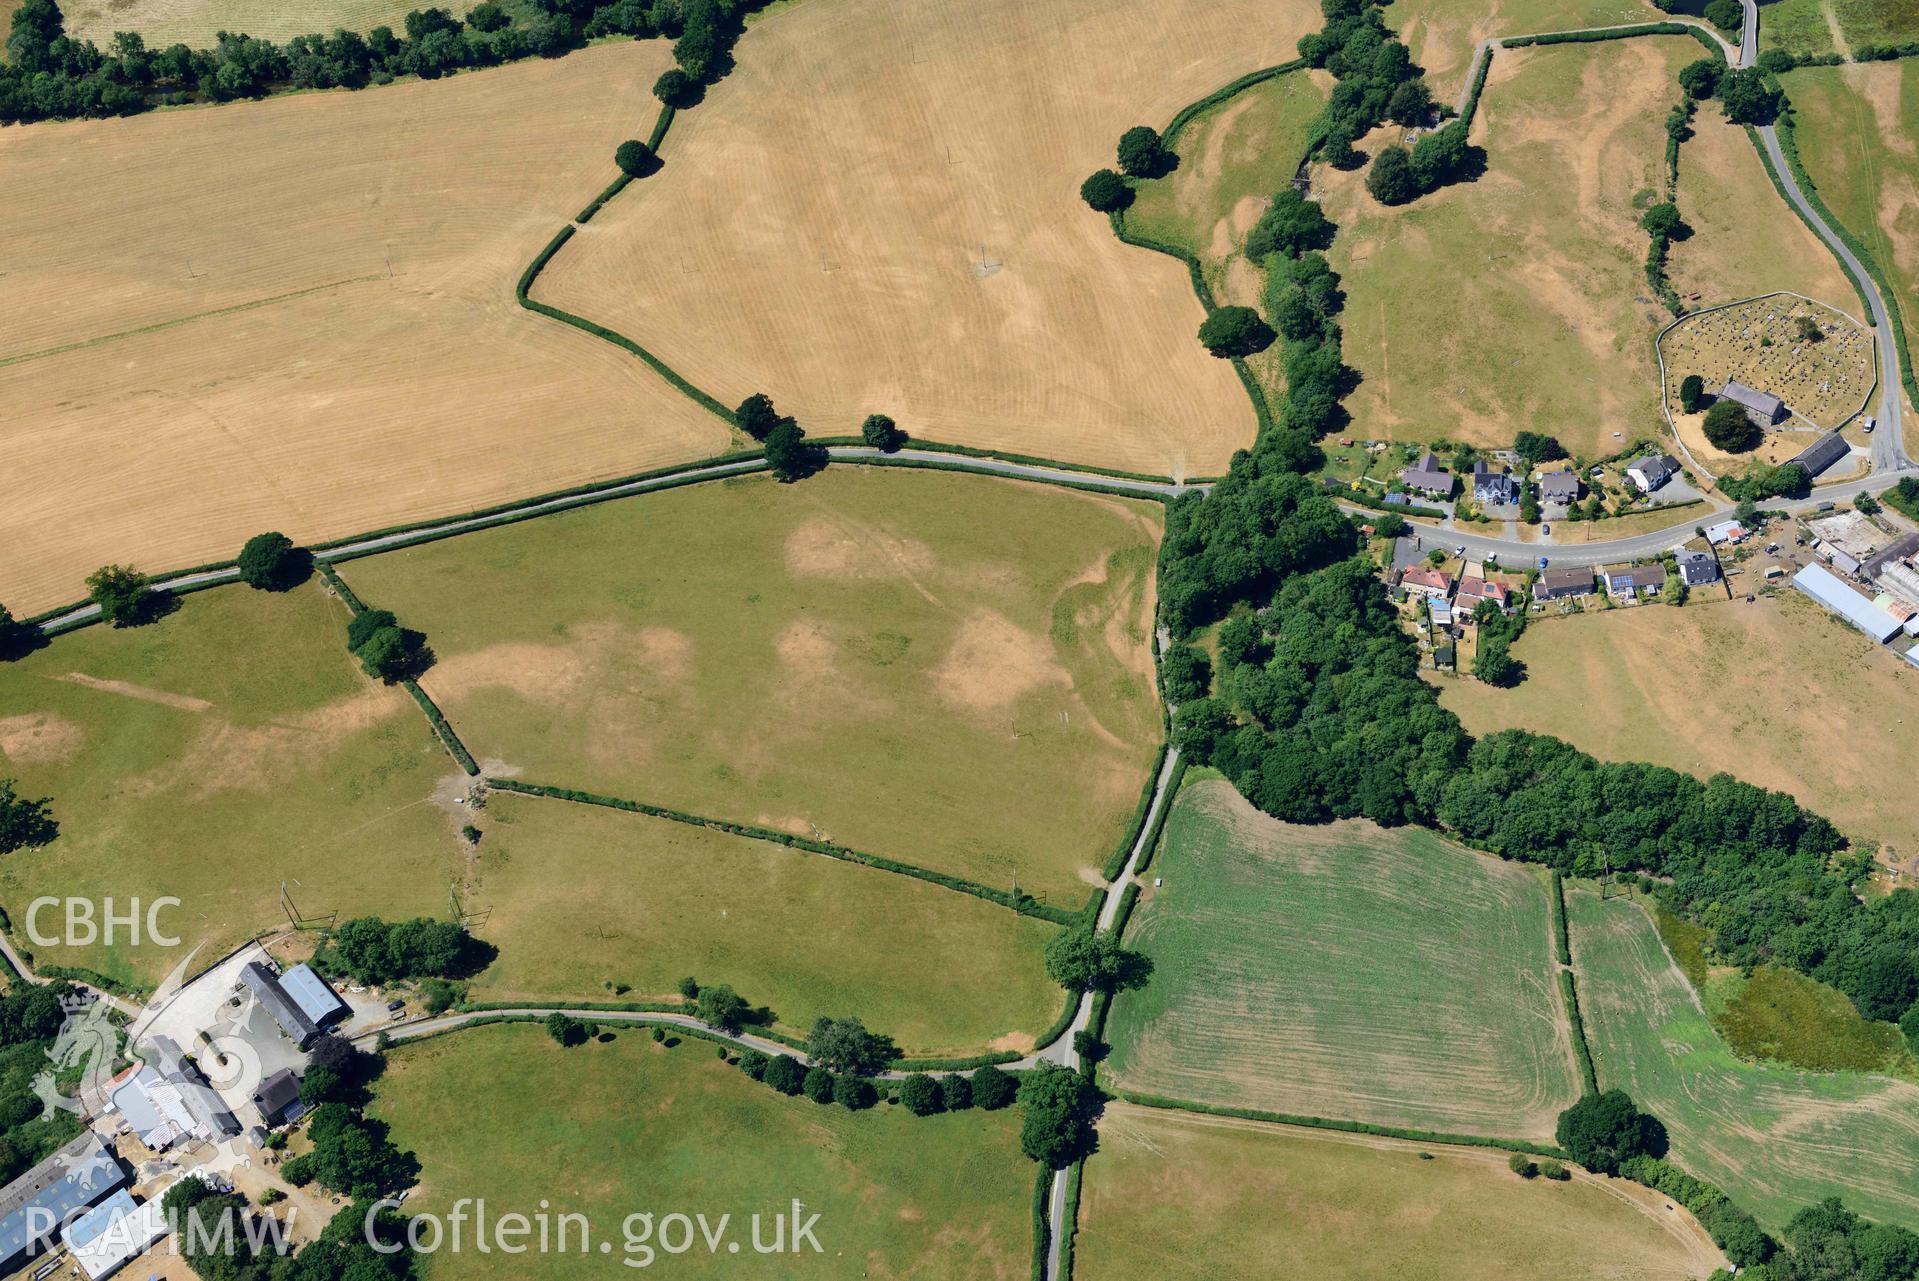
1635,581
1427,477
1696,568
1652,471
1762,407
1494,487
1436,583
1563,584
1560,487
1474,590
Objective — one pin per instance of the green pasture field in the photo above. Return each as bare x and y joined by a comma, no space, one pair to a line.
1233,157
1805,27
1518,300
215,755
609,1130
1344,971
578,898
1775,1139
1191,1198
947,670
1858,135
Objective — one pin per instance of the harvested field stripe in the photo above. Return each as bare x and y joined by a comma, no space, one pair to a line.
1026,907
255,305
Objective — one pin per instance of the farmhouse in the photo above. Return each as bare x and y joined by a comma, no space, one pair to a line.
1427,477
1696,568
1560,487
1634,582
1822,453
1491,486
1563,584
1831,591
1762,407
278,1098
1652,471
79,1175
1436,583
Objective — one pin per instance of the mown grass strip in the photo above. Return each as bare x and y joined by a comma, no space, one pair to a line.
1024,905
1349,1127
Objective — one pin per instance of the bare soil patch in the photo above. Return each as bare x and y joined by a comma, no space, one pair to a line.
879,210
183,702
39,736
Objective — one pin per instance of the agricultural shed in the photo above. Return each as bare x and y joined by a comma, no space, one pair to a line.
310,992
107,1237
266,989
79,1175
1822,453
1831,591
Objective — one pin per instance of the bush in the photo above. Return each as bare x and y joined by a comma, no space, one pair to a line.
846,1046
854,1093
1522,1165
1602,1130
1727,15
676,89
1106,191
1730,428
1142,154
125,596
956,1092
1555,1171
1663,220
921,1095
272,563
438,995
1390,180
719,1006
992,1089
1701,79
1185,673
1746,97
565,1029
635,158
1084,959
689,988
753,1063
1058,1104
1291,225
790,456
882,433
373,951
1692,393
756,416
784,1073
1235,331
818,1084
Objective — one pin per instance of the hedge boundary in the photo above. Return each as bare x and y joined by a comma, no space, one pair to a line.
1582,1053
1597,34
1173,785
1479,85
1116,862
1042,1229
1785,129
1028,460
661,123
1349,1127
1024,906
1069,1221
1562,944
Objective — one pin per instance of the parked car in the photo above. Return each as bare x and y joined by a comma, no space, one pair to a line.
396,1005
1870,424
1546,528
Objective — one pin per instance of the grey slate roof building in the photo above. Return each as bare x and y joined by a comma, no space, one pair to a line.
1638,578
1491,486
1762,407
1559,487
34,1206
1822,453
266,989
1559,584
1427,477
278,1098
1652,471
1698,567
310,992
202,1101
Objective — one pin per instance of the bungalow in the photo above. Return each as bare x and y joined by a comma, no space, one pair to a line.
1474,590
1696,568
1762,407
1427,477
1563,584
1435,583
1560,487
1493,487
1726,531
1652,471
1634,582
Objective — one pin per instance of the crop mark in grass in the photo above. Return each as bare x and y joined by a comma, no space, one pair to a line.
175,323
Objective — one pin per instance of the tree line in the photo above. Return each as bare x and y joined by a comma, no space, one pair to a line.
49,75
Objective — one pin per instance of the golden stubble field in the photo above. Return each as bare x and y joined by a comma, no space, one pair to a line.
879,210
198,22
299,314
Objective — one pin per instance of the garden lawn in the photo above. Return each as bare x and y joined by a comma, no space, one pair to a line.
1190,1198
216,755
1775,1139
579,897
951,671
1344,971
1234,157
611,1130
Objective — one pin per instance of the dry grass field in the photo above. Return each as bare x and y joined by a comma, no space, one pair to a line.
1190,1198
299,314
1519,302
578,897
216,755
879,210
1812,27
1746,240
952,671
197,22
1344,971
1441,34
1775,1139
1798,701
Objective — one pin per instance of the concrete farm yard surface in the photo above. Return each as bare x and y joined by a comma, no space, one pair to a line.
213,756
614,1129
1775,1139
890,222
1778,693
1190,1198
1348,972
950,671
577,896
1513,302
298,314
